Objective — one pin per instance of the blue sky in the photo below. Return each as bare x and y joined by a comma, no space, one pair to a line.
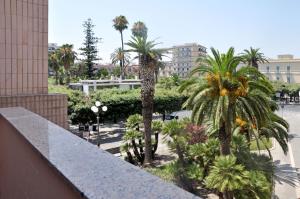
272,25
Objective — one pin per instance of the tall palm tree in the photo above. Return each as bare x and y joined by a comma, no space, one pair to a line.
120,24
139,29
148,57
118,56
227,94
253,57
67,57
53,62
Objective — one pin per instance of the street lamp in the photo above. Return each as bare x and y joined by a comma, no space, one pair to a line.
96,110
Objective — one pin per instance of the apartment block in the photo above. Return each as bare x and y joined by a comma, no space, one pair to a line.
183,59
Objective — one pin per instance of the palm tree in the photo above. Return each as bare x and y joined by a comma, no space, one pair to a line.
54,64
276,128
120,24
67,57
253,57
160,65
226,176
118,56
148,57
226,95
139,29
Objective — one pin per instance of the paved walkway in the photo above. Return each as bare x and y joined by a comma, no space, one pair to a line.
287,172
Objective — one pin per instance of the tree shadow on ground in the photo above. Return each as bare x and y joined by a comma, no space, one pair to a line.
285,173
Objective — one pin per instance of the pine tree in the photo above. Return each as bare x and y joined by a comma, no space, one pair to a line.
89,49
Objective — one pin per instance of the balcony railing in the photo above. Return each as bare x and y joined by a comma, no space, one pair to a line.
39,159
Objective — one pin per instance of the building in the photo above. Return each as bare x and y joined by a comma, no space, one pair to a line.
285,68
52,47
168,69
24,60
183,59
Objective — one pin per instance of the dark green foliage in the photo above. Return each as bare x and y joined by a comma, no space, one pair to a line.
89,49
134,141
121,103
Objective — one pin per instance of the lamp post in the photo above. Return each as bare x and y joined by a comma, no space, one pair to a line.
96,110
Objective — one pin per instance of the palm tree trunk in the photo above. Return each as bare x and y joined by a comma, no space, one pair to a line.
56,77
122,65
224,139
147,95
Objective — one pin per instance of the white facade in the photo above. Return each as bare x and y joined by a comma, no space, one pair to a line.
183,59
52,47
285,68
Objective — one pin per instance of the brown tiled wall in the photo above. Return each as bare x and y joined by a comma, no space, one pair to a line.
23,47
50,106
24,60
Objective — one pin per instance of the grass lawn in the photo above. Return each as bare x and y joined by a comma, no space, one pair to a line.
52,88
164,172
268,143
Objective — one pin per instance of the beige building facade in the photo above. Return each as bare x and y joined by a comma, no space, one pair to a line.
183,59
285,68
24,60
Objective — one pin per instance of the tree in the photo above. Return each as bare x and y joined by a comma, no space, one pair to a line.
139,29
228,97
148,57
120,24
160,65
102,72
54,64
66,57
89,49
253,57
118,56
116,71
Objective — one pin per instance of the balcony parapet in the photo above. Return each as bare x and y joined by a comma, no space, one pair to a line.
92,172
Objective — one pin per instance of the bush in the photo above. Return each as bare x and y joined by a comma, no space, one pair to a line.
121,103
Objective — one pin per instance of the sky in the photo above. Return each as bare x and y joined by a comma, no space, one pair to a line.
271,25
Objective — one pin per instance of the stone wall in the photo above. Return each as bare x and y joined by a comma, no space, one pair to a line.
24,60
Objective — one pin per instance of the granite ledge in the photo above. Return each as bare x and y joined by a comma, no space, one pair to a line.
96,173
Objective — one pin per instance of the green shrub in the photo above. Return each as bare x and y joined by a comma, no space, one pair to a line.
121,103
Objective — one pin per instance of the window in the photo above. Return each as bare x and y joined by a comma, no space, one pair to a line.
277,68
288,79
277,78
288,68
268,69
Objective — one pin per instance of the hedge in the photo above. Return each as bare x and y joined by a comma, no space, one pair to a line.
120,103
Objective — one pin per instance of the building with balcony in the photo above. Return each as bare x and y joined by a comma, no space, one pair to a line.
183,59
285,68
